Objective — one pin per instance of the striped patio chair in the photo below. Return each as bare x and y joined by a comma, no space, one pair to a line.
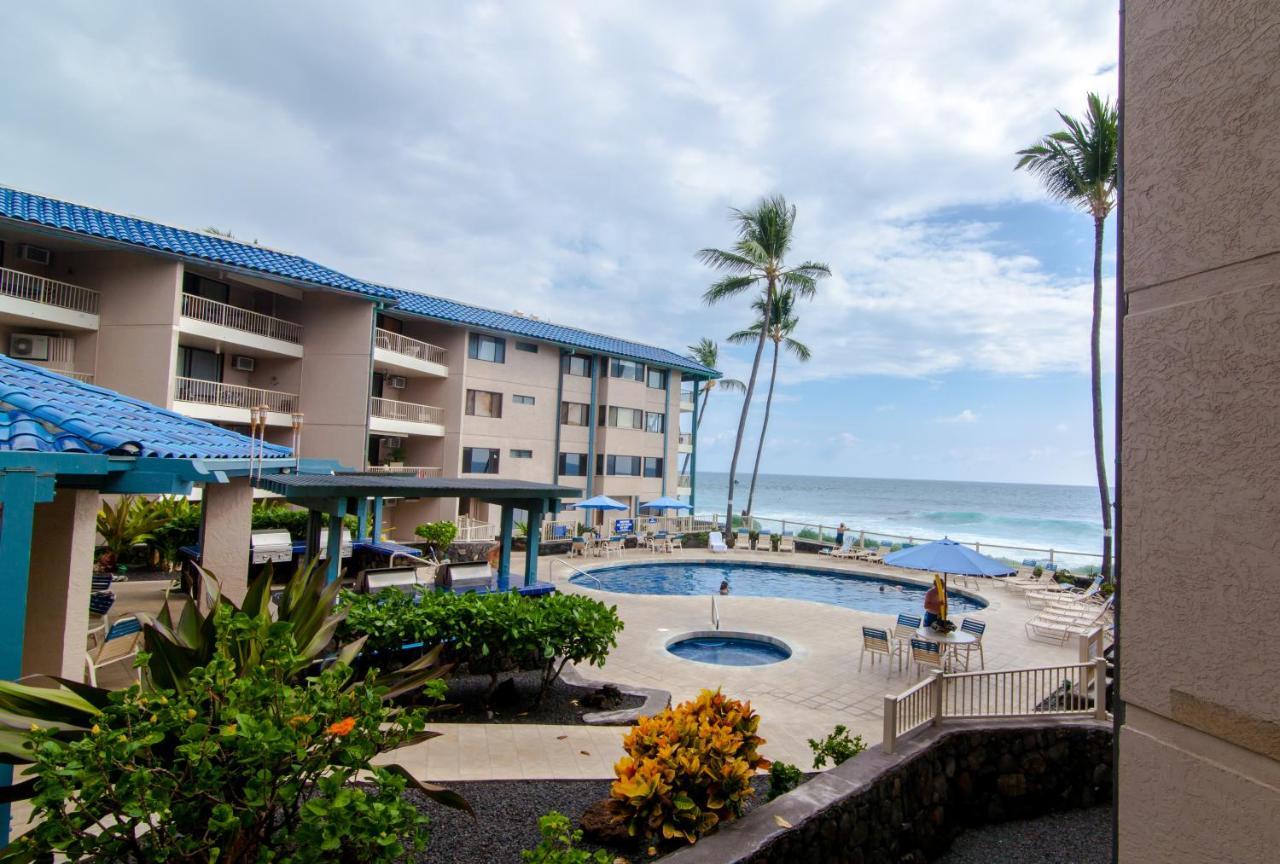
926,654
903,632
876,642
122,643
977,628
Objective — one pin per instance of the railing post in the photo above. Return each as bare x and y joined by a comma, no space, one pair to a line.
1100,688
935,694
890,724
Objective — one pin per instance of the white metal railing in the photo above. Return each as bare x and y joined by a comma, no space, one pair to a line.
415,470
233,395
246,320
686,401
38,289
684,481
86,377
415,348
1077,689
686,439
473,529
390,409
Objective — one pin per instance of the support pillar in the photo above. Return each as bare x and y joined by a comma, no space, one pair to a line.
504,556
533,536
60,583
362,516
333,567
377,519
226,529
315,519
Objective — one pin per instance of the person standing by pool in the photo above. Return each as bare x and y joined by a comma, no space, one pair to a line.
840,534
932,606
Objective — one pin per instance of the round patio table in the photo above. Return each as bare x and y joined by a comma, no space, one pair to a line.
947,642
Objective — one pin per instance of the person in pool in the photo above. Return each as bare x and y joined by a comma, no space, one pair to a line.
724,586
932,606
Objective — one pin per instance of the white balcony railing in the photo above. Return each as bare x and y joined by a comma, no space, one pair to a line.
245,320
684,481
38,289
411,470
412,412
86,377
233,395
473,529
686,439
415,348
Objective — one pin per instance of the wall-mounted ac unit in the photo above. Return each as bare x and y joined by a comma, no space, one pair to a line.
28,346
242,363
396,382
34,254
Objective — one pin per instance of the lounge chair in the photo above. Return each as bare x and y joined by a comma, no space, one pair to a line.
786,543
121,643
742,540
715,542
1053,627
1048,595
845,551
876,642
764,543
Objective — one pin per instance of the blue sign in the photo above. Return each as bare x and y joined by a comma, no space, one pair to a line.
624,526
653,520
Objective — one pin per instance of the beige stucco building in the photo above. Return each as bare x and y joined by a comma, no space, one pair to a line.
1199,742
369,376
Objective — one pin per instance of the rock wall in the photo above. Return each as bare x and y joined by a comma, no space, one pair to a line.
879,808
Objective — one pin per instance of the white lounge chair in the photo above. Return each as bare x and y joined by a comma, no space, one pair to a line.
742,540
1056,628
845,550
1069,593
786,543
764,543
715,542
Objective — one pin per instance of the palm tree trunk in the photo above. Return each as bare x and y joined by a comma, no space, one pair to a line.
764,427
746,404
1104,491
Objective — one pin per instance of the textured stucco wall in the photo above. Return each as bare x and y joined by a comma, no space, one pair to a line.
1201,430
59,583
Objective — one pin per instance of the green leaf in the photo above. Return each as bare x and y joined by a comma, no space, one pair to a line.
438,794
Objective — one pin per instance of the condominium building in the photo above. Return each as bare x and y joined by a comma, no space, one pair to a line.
368,375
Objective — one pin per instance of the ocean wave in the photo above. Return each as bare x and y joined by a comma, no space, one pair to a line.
1039,524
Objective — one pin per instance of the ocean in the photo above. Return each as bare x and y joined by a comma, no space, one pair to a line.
1019,515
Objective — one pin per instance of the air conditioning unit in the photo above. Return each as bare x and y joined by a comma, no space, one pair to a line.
396,382
34,254
28,346
242,363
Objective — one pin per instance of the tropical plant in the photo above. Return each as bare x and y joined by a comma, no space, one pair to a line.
271,514
707,352
1079,165
782,323
438,534
127,523
179,525
839,747
783,777
757,260
688,769
559,844
243,764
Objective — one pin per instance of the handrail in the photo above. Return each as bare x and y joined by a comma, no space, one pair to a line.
226,315
578,570
715,612
233,395
392,409
51,292
398,343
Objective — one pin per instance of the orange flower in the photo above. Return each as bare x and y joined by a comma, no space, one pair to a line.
342,728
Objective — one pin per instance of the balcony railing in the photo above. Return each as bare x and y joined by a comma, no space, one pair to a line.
248,321
86,377
684,482
412,412
414,348
38,289
233,395
686,400
686,439
412,470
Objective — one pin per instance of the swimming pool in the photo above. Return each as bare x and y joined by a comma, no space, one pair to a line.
748,579
729,649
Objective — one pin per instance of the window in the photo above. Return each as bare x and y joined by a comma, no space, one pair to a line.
522,400
482,403
488,348
479,460
573,464
653,466
210,289
575,414
654,422
622,418
626,369
575,364
199,364
656,378
521,454
531,347
624,466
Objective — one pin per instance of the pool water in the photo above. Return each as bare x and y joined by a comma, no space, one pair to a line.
853,591
729,650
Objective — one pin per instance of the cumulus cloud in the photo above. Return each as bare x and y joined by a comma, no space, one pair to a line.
965,416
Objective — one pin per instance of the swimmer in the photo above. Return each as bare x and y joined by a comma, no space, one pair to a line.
724,586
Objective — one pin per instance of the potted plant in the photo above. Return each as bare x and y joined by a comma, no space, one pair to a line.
397,457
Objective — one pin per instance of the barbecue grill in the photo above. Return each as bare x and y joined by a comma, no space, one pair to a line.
324,543
407,579
270,545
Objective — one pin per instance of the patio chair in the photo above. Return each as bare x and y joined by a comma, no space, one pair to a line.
122,643
715,542
742,540
976,628
876,642
903,632
786,543
926,654
764,543
674,542
845,550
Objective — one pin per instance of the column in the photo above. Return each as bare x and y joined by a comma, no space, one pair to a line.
532,538
226,529
61,578
504,558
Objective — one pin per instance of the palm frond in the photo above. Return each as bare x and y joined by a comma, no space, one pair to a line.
729,262
733,385
730,286
798,349
745,337
706,352
1078,164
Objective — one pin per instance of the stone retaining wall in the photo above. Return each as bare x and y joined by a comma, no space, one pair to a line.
879,808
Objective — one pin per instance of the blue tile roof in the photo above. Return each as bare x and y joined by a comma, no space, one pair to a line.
43,412
440,309
51,213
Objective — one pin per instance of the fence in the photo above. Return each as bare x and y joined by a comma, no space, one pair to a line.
473,529
1069,689
233,395
38,289
390,409
412,470
246,320
415,348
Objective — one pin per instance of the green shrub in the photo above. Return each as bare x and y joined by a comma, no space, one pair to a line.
838,747
695,540
123,525
246,763
1106,589
807,534
1037,571
440,534
783,777
688,769
560,844
270,514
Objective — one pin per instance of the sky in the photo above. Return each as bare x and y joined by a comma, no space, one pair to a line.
568,159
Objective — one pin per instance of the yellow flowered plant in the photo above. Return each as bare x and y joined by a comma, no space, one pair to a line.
688,768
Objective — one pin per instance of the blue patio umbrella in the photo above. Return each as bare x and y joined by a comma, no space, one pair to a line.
665,503
947,556
600,502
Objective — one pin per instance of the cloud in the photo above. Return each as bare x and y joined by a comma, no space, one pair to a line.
843,439
965,416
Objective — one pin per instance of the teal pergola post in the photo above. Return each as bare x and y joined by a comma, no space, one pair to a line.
362,516
533,536
504,557
377,518
334,565
314,521
693,453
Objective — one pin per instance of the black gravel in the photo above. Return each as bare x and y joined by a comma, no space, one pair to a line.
1071,837
561,705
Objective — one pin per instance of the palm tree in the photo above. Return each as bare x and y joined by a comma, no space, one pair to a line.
781,325
758,260
707,352
1078,165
